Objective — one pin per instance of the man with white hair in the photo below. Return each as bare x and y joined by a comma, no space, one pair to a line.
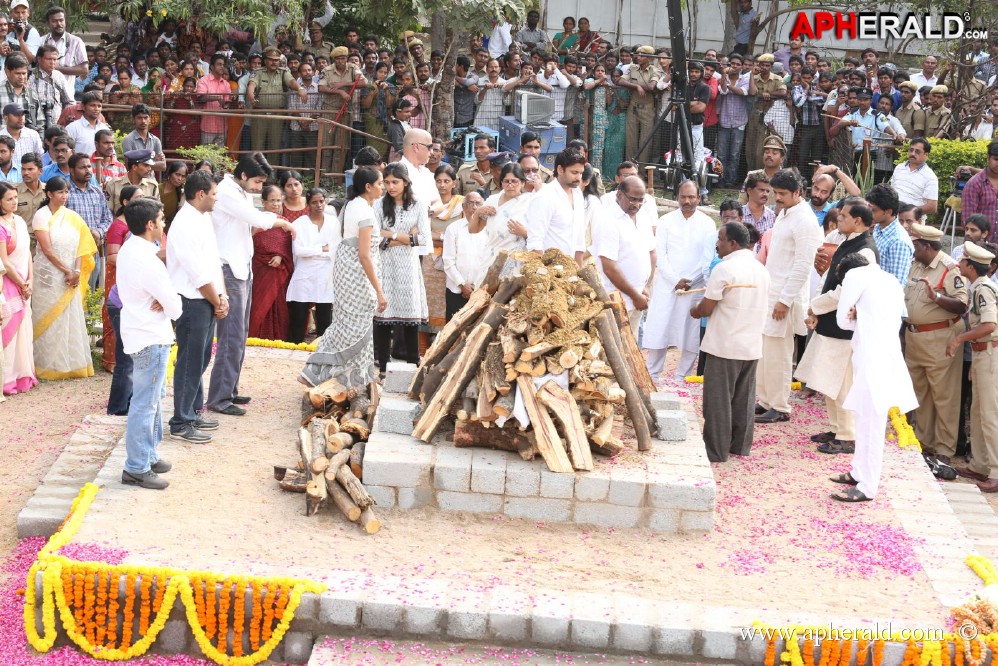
416,145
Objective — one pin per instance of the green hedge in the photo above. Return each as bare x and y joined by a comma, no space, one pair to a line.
946,156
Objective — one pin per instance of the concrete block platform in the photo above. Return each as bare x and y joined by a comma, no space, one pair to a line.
668,489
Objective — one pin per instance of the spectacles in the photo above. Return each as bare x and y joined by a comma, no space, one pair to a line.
468,202
531,171
633,200
428,146
511,181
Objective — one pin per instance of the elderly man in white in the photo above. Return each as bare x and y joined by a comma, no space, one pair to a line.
626,249
796,238
914,181
684,248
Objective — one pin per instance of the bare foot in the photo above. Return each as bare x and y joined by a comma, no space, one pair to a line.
305,382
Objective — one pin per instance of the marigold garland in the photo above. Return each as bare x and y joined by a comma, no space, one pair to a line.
85,595
238,617
698,379
905,433
254,632
210,606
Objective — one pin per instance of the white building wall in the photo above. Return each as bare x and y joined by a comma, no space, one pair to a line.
647,22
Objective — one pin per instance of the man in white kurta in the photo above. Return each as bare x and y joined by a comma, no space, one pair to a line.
796,238
626,249
684,248
871,304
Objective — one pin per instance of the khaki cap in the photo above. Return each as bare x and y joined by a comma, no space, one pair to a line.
939,90
925,232
773,141
977,253
766,57
339,52
645,50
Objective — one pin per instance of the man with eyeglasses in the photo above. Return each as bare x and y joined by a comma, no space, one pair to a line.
626,249
915,181
530,144
532,172
416,145
648,211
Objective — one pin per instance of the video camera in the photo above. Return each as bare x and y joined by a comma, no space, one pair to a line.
960,181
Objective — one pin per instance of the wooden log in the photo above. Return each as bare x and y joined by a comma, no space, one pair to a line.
534,352
332,427
338,442
642,377
524,367
319,465
357,460
591,277
353,486
491,281
457,379
295,481
359,406
552,367
331,390
483,408
569,358
549,445
612,447
446,338
635,405
508,288
435,376
342,500
369,522
603,432
492,378
517,324
357,427
503,406
469,434
307,409
561,404
315,490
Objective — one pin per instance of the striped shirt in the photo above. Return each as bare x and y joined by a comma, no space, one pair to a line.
91,205
980,196
895,248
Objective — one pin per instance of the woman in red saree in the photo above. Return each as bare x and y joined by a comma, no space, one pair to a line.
273,263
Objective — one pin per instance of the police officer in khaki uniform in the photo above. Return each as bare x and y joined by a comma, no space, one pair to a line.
267,89
911,116
935,297
318,46
983,466
338,82
473,176
641,79
766,87
938,119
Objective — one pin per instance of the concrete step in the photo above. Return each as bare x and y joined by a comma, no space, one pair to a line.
383,652
975,513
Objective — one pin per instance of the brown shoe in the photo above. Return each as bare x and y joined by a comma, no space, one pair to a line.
968,473
989,486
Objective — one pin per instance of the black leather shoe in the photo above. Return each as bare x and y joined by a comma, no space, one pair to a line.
759,409
241,400
772,416
231,410
823,437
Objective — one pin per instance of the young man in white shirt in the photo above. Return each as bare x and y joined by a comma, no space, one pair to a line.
148,304
196,273
556,215
233,218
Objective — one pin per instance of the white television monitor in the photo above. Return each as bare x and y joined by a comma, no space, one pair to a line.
533,108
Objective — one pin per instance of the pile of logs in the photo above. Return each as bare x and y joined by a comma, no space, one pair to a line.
554,320
331,440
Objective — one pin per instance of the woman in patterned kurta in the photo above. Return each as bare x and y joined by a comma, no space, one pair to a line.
405,231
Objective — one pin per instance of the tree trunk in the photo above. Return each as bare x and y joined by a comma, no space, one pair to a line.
443,96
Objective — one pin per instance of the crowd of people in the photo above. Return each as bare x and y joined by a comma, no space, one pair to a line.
188,256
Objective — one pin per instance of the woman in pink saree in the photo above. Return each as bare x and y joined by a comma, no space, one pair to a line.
18,370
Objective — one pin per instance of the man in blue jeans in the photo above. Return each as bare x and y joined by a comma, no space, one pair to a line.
148,302
195,270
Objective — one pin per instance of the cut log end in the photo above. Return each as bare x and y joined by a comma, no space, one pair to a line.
370,522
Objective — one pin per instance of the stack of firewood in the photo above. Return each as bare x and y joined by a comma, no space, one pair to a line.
554,320
331,440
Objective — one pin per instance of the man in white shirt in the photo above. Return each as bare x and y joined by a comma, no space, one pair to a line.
732,343
85,129
25,140
233,218
684,248
416,145
626,249
148,303
556,214
195,270
926,77
796,238
648,213
72,53
914,181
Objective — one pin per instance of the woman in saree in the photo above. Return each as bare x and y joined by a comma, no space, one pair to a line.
346,350
618,100
63,263
600,90
273,263
434,279
588,40
18,369
564,41
504,214
171,190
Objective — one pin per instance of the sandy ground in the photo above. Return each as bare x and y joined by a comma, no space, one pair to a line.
780,545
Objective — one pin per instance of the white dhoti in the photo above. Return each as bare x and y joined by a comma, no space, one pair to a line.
826,367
